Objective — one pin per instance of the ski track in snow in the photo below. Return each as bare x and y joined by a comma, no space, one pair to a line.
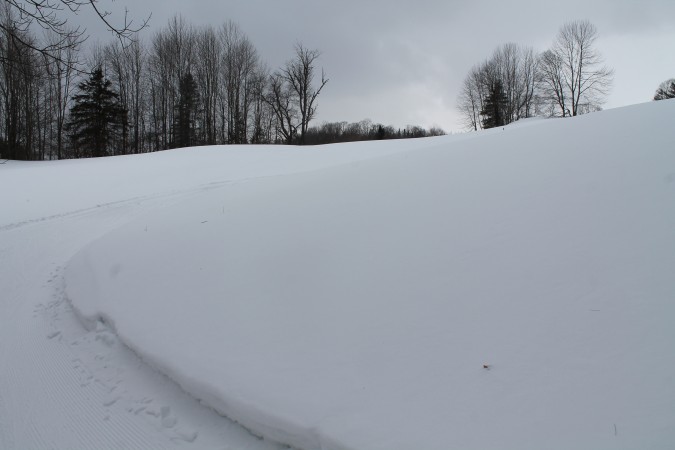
66,387
119,203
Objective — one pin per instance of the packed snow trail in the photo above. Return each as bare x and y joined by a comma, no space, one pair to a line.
356,307
62,386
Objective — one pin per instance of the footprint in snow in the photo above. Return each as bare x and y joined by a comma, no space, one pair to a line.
53,334
111,400
167,420
187,436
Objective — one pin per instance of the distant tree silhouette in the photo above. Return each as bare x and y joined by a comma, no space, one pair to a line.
365,130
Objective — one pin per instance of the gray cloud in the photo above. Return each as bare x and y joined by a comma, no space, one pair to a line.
403,62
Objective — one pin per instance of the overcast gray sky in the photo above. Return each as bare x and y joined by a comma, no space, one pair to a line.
402,62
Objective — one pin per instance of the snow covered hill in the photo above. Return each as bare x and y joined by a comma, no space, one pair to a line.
510,289
64,387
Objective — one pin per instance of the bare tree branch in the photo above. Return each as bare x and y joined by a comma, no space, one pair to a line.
54,16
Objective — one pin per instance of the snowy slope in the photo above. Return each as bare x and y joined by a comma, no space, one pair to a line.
355,307
61,386
49,189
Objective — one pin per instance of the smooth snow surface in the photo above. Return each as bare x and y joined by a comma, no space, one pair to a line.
348,296
355,307
62,386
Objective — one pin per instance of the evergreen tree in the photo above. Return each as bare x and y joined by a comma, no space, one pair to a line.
666,90
380,132
494,108
96,118
186,112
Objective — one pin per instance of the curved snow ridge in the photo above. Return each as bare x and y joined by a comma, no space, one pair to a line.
500,293
93,314
257,422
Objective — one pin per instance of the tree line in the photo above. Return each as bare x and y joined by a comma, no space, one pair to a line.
188,86
568,79
365,130
207,85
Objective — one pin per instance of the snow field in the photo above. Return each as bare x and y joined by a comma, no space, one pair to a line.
351,300
65,387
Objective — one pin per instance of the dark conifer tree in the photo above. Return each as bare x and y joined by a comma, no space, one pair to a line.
494,109
380,132
186,112
96,118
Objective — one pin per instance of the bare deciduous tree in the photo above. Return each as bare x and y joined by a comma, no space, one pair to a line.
551,83
61,72
171,57
280,100
572,72
299,73
126,66
261,116
24,89
207,72
241,67
470,101
527,77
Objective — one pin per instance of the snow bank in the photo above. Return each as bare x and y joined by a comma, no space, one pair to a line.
511,289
